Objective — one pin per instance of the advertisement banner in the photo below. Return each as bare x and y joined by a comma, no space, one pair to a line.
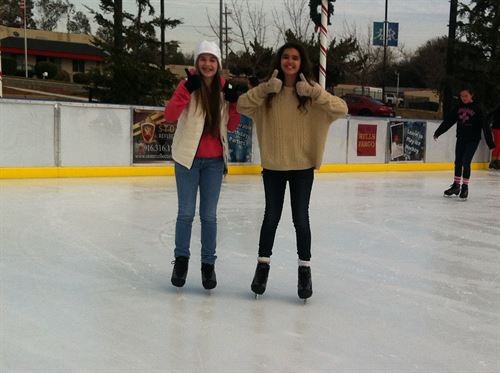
152,136
240,141
396,143
392,34
367,140
407,140
415,140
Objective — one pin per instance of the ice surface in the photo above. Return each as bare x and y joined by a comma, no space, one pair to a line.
404,280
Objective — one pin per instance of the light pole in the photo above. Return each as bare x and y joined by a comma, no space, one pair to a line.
221,10
385,50
397,89
162,31
450,68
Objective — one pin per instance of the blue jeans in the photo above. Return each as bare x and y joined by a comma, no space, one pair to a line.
206,173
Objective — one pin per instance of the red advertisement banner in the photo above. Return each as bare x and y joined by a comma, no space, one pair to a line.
367,140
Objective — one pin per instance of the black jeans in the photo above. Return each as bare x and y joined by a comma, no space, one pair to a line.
464,152
301,182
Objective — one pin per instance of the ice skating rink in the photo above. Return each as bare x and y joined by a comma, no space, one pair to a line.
404,280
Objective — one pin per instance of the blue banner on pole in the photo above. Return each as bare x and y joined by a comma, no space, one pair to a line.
378,33
392,34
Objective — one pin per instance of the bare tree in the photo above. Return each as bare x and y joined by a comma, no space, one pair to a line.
366,55
367,58
295,19
248,24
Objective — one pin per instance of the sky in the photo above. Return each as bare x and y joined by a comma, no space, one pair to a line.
419,20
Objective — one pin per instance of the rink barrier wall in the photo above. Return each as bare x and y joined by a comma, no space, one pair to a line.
168,170
42,139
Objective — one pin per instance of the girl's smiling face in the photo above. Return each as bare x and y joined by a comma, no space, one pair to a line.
290,62
207,65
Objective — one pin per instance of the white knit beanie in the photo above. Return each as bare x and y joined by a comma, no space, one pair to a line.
208,47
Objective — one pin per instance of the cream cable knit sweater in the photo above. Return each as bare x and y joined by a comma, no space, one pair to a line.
290,139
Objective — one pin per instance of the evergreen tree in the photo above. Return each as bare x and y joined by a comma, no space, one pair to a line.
130,73
479,27
51,12
12,16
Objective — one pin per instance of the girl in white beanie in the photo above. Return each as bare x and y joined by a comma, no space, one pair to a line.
204,106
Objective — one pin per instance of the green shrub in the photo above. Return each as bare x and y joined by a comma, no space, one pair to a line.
62,76
81,78
45,66
9,66
22,73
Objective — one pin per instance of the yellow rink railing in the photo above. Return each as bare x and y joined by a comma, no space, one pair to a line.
168,170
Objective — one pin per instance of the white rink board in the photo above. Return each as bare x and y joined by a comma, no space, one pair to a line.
26,134
336,145
41,133
443,150
95,136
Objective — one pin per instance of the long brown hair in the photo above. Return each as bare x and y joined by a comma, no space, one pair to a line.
305,68
210,101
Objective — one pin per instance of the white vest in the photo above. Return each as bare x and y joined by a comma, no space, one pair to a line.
190,128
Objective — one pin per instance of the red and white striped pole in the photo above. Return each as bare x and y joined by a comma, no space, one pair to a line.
323,42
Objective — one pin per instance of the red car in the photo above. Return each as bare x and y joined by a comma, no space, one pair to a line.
367,106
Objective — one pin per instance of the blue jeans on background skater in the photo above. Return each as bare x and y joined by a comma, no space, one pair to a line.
205,174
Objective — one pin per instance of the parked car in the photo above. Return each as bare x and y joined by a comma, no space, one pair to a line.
390,99
367,106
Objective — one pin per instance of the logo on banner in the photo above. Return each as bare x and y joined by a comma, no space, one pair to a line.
148,132
367,140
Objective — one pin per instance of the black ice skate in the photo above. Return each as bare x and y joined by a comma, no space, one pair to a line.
453,190
208,278
464,192
180,270
259,281
304,286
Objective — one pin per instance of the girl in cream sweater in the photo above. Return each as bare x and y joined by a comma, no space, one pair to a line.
292,115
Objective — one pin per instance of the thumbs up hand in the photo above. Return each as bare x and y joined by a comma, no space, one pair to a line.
193,81
273,85
304,88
